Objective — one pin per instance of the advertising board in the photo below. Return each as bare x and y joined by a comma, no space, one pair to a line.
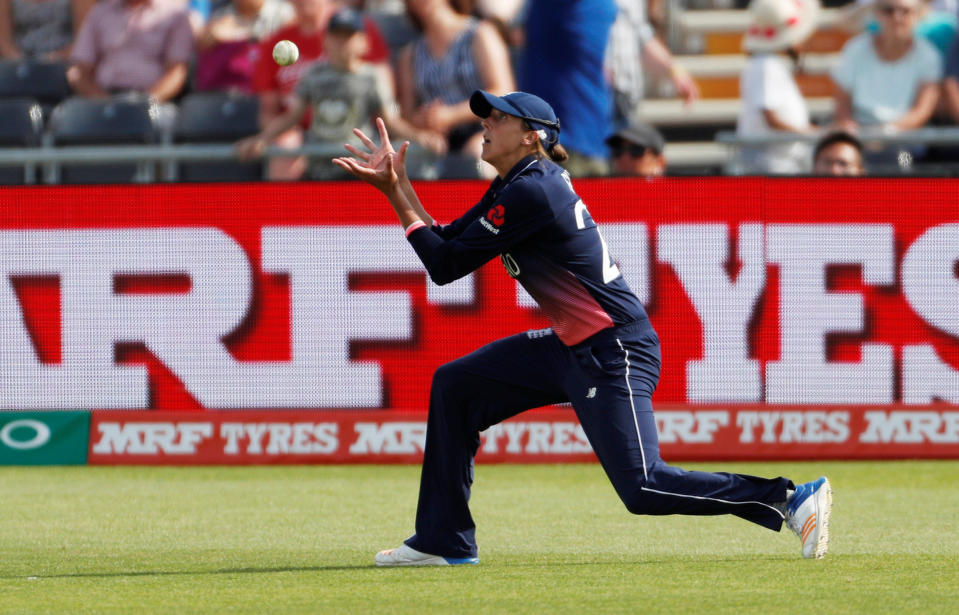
769,295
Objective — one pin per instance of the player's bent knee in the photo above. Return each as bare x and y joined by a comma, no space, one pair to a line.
446,376
458,373
636,502
451,385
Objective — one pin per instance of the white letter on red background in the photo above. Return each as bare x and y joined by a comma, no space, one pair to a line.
808,313
698,253
183,329
930,285
326,315
629,250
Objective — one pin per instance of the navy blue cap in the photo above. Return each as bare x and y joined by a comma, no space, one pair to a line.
536,111
349,20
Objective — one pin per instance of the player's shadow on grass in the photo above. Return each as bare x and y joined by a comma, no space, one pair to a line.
161,573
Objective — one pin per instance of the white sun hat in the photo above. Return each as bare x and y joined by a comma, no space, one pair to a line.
776,25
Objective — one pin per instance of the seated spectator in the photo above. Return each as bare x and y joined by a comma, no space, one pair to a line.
229,43
276,85
888,81
343,92
455,55
637,151
937,20
838,153
771,100
40,29
138,47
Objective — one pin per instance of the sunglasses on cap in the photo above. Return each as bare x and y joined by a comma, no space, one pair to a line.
540,121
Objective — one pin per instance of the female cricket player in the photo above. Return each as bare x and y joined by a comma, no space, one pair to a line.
601,353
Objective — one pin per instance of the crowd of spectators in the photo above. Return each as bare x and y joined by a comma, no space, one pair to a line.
893,76
338,92
415,63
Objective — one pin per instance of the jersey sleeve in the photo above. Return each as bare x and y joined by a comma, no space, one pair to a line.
496,225
456,227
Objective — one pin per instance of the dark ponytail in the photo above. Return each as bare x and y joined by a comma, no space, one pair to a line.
558,153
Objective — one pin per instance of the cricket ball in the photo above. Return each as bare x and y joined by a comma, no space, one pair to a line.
285,53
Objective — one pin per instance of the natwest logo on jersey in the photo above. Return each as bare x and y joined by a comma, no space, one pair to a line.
497,215
307,296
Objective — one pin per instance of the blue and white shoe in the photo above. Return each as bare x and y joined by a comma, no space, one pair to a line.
405,555
807,514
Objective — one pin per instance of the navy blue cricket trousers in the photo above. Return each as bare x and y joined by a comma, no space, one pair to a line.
609,379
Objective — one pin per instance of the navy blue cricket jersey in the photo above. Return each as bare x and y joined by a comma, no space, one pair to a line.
547,240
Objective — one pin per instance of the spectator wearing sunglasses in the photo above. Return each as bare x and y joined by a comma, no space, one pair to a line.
937,21
888,81
637,151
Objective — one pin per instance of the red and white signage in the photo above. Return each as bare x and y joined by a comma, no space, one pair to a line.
688,433
786,293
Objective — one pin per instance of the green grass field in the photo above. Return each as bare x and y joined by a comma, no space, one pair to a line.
552,539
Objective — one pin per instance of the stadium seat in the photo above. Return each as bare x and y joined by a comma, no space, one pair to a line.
87,121
217,117
21,125
46,82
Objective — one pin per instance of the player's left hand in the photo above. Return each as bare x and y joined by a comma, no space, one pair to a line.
379,166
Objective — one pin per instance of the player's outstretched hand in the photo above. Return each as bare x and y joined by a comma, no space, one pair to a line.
380,166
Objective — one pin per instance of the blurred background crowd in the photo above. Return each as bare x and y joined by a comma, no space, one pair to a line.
642,87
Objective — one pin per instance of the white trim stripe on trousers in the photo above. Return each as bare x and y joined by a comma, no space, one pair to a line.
643,452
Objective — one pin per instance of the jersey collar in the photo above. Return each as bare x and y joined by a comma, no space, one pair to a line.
518,168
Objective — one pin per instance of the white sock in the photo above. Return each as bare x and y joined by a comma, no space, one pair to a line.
783,507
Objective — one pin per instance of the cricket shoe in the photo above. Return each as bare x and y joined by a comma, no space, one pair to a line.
405,555
807,514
